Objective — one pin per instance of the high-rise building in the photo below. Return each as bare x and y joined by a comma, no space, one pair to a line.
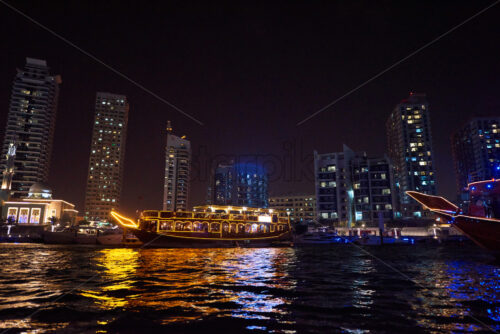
107,153
30,125
300,208
240,184
352,188
177,168
476,151
410,150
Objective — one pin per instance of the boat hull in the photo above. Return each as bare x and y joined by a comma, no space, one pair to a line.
151,239
484,232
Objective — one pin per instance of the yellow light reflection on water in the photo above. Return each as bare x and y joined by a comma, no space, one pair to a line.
200,281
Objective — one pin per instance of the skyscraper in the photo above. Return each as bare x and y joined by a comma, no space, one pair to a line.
30,125
353,188
240,184
107,153
476,151
410,150
177,168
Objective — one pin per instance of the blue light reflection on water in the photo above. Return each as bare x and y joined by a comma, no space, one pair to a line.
473,281
337,288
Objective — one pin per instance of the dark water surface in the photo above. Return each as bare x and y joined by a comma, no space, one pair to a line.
77,289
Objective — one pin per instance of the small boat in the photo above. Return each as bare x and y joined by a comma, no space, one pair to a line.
321,238
131,240
210,226
480,221
374,240
86,235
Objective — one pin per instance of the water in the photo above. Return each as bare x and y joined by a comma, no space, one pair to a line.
77,289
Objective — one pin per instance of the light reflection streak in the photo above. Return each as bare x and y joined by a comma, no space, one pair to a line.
205,282
455,285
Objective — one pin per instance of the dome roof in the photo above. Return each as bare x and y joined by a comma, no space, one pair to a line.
40,190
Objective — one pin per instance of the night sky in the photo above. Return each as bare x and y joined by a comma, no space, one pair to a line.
250,73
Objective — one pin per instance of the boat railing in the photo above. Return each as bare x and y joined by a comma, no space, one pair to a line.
224,228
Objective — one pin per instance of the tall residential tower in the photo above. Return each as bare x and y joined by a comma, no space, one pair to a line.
30,125
107,153
410,150
177,168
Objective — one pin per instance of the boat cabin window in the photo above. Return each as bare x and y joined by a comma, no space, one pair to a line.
233,228
166,214
150,214
180,214
167,226
275,218
215,227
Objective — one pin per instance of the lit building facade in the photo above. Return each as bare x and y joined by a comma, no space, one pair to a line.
301,208
107,153
476,151
177,168
30,125
410,150
38,208
241,184
353,189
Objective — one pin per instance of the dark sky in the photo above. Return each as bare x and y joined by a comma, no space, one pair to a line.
250,72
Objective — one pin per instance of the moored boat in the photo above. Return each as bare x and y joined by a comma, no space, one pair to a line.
65,236
210,226
480,221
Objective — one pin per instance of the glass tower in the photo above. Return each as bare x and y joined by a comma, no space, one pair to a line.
476,151
410,150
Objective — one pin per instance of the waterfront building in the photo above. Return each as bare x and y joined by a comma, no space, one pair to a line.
353,189
476,151
107,153
410,150
177,168
241,184
30,125
38,208
301,208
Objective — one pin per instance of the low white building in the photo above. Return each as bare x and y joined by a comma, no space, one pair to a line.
38,208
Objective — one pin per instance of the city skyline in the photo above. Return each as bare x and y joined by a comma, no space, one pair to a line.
260,131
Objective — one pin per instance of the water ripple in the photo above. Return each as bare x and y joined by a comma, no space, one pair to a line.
315,290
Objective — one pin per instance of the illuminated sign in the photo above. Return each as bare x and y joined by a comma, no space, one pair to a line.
264,219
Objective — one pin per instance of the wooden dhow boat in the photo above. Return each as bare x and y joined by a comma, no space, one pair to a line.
210,226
